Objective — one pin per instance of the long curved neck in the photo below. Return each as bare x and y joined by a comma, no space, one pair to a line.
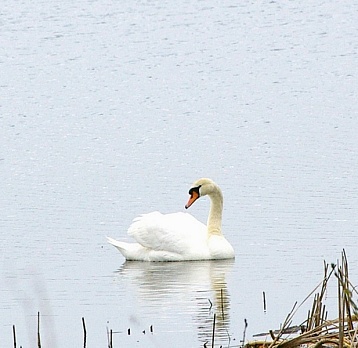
215,214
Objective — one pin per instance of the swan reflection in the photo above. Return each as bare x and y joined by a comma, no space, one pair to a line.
199,288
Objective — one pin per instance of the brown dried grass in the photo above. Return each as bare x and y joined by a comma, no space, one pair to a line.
317,331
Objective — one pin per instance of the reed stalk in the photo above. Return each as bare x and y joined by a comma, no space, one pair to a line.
14,335
213,335
110,338
318,331
264,300
84,332
38,331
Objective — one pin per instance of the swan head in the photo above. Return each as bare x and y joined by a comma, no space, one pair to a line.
202,187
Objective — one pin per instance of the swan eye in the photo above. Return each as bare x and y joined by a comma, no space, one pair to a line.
195,189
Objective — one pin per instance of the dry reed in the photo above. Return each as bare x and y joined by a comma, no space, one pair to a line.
84,332
317,331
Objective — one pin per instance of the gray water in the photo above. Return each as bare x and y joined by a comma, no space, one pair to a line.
111,109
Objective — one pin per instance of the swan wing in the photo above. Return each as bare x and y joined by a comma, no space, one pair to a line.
178,233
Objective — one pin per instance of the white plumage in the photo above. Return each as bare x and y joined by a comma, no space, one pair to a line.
179,236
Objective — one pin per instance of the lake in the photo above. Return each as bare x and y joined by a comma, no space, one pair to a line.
109,110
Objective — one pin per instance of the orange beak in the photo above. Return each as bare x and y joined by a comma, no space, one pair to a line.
194,196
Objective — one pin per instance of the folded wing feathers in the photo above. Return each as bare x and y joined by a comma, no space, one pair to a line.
175,233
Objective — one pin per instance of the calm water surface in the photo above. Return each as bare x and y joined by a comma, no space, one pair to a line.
109,110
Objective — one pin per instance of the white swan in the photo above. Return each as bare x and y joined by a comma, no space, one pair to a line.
179,236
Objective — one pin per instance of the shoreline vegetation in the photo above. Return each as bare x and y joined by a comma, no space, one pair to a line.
315,332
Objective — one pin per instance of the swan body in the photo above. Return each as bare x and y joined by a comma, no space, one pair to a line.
179,236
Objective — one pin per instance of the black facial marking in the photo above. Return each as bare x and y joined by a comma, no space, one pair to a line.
194,189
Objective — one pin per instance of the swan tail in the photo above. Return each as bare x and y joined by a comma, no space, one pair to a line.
128,250
120,245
